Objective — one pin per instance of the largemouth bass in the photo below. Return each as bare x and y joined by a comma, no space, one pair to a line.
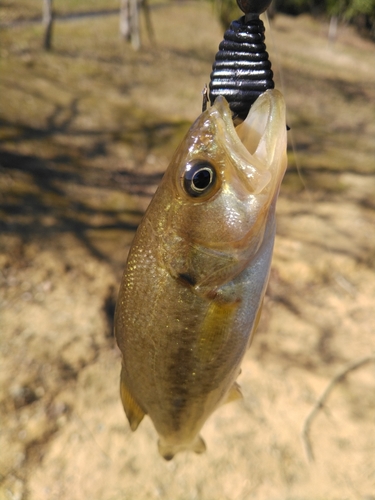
197,271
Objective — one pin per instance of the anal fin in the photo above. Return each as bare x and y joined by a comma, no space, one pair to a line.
199,446
132,409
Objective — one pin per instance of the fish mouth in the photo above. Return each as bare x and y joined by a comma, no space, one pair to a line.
258,145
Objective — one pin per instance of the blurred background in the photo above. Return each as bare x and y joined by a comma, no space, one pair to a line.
94,98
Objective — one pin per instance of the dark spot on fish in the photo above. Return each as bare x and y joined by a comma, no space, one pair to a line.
212,294
187,279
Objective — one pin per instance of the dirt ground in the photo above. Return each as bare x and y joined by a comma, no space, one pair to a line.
86,132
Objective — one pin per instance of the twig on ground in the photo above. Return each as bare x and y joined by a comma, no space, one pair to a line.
322,399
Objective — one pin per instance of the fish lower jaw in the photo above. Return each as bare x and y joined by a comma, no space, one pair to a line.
168,447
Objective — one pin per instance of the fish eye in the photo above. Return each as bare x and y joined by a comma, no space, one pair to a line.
199,178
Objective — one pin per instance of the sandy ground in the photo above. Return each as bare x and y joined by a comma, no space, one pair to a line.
78,164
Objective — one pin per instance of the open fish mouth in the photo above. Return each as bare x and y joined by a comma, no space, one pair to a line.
249,162
257,145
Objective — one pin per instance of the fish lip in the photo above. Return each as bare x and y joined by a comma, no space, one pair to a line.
258,145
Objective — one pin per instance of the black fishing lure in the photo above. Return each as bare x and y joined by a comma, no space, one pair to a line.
242,69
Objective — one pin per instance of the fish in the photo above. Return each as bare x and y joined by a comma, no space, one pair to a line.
197,271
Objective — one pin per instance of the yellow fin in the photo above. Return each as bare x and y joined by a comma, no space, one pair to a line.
234,394
132,409
199,446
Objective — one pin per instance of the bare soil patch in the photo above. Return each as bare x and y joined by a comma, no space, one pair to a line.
86,132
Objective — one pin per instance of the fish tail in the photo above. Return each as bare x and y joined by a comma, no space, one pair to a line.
168,450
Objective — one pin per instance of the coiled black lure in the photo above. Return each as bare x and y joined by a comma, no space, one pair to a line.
242,70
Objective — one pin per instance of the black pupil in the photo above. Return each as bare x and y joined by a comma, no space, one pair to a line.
201,179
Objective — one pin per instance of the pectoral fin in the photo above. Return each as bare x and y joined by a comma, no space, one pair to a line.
132,409
234,394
